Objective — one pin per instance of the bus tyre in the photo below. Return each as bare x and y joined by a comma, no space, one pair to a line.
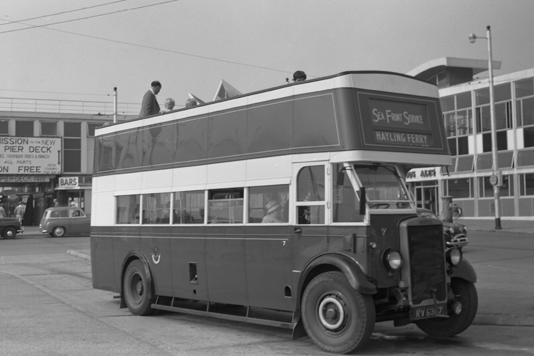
137,289
58,231
9,233
336,317
466,294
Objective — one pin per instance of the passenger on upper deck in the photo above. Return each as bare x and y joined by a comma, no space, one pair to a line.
168,106
150,105
190,103
299,76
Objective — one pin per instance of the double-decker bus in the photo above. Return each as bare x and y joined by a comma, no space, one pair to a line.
285,207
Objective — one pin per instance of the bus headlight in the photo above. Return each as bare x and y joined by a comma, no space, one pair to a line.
393,259
454,256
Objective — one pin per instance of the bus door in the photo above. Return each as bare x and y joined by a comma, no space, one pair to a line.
310,232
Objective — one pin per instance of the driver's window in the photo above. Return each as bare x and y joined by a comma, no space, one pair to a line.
345,201
311,195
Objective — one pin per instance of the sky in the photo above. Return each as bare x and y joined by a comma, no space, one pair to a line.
82,49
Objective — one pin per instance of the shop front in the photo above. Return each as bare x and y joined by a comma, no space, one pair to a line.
424,183
74,191
28,168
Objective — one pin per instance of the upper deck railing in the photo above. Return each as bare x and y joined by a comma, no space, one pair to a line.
67,106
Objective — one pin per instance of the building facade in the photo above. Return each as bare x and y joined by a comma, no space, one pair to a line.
466,115
46,154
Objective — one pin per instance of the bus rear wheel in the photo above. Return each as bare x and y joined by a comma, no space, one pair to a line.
336,317
463,310
137,289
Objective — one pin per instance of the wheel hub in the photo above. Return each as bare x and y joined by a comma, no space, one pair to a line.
139,287
331,313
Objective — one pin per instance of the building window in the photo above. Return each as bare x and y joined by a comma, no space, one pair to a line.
48,128
524,92
72,148
4,127
525,157
460,188
486,189
503,115
507,186
24,128
526,184
502,141
458,122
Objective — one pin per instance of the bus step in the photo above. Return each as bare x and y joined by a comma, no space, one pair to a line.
241,318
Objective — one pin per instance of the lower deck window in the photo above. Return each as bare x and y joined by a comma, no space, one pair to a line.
225,206
128,209
268,204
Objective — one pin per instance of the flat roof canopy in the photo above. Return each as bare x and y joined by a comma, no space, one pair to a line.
433,67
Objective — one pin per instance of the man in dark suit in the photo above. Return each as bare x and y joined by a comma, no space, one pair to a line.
150,104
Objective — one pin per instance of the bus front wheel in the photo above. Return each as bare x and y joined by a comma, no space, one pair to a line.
460,318
336,317
137,289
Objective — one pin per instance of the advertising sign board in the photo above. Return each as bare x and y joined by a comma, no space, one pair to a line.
30,155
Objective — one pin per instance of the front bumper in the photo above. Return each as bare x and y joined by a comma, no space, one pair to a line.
459,240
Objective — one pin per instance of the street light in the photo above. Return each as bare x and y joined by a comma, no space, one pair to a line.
496,177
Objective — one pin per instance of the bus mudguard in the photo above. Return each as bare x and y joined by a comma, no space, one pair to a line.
134,255
350,268
464,270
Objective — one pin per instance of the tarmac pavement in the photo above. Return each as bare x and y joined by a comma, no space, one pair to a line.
505,294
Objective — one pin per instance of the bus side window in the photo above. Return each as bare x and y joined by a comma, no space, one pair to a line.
188,207
311,188
264,201
156,208
225,206
128,209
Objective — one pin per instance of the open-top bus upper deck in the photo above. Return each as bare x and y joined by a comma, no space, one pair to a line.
356,116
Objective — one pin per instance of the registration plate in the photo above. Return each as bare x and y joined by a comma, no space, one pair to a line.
428,312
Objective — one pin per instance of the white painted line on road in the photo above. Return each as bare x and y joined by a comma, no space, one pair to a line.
79,254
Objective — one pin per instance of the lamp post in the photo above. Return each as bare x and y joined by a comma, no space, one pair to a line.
495,179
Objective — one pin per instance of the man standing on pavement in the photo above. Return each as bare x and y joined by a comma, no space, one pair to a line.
19,211
150,104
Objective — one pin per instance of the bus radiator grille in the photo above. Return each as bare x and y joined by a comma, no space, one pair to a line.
427,263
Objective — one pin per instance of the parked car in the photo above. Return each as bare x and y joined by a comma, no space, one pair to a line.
9,227
455,233
62,221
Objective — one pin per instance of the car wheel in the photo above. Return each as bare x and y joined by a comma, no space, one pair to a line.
9,233
137,289
58,231
336,317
